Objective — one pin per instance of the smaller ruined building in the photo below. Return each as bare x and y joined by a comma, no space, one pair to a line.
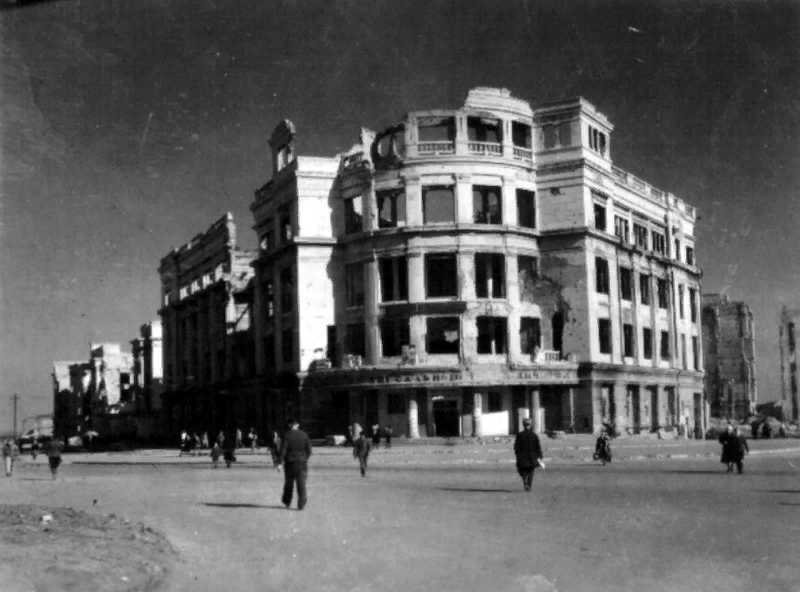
788,348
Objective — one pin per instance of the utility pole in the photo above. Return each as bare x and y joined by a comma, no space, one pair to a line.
14,399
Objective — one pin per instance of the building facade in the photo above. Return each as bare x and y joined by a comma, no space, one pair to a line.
208,364
147,381
730,357
470,267
787,334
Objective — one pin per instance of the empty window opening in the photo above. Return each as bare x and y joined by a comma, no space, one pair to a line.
285,217
644,289
693,304
659,243
490,272
391,208
663,298
438,204
647,342
526,208
482,129
436,129
355,284
626,283
640,235
689,256
530,335
354,339
353,215
627,340
394,279
492,335
622,228
600,216
441,275
443,335
695,353
601,275
557,325
604,331
664,349
487,205
394,335
528,274
521,135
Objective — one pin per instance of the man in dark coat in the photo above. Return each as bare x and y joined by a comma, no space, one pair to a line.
726,439
361,449
738,448
528,451
295,450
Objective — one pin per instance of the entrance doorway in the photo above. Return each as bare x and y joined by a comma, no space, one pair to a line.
445,418
635,407
340,418
551,402
653,407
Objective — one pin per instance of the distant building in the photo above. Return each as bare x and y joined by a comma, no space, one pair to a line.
469,267
209,366
148,381
730,357
95,391
790,321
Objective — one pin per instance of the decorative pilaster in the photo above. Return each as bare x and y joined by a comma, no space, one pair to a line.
413,418
477,414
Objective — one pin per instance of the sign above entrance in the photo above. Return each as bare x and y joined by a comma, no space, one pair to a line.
434,378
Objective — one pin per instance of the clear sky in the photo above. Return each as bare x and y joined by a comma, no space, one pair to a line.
129,126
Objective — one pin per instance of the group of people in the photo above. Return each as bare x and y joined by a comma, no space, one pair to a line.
52,448
196,443
734,447
378,432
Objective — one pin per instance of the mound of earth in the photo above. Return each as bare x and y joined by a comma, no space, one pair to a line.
73,550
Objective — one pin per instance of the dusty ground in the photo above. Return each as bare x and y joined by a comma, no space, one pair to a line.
663,525
73,550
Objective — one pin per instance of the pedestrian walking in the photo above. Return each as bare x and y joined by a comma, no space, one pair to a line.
295,451
204,440
376,435
602,448
253,439
229,450
355,431
754,429
725,438
275,449
10,454
53,450
738,448
528,451
387,432
239,443
184,442
215,454
361,449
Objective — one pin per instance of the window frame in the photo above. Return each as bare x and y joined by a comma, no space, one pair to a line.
426,189
441,256
498,327
602,282
604,336
440,318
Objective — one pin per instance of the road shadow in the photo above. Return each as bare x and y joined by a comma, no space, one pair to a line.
695,472
242,505
781,491
788,504
477,489
34,478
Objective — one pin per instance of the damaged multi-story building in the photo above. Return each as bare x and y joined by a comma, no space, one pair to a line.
147,382
89,396
469,267
787,335
730,357
209,368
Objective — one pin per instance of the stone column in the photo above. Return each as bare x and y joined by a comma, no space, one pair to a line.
536,405
571,395
413,418
477,414
372,332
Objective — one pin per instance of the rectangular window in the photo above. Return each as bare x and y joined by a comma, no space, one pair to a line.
396,403
441,275
436,129
332,345
443,335
353,215
695,353
661,286
285,218
287,290
394,335
647,343
627,340
527,274
677,249
269,299
604,331
600,217
492,335
495,402
626,283
640,235
601,275
490,275
530,334
521,134
269,351
354,339
664,346
287,346
684,359
659,243
438,204
355,284
693,305
483,129
689,256
644,289
681,311
622,228
487,205
391,208
394,279
526,208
